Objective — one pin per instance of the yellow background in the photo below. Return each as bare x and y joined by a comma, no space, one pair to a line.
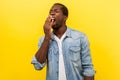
21,23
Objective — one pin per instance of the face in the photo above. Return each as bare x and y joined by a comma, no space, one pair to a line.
57,15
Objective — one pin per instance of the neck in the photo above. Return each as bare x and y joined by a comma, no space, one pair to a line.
60,31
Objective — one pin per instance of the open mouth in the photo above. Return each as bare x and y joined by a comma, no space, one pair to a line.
53,20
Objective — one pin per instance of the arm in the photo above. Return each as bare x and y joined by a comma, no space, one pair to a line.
87,65
43,50
39,60
41,54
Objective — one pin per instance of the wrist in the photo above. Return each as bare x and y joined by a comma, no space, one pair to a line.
47,38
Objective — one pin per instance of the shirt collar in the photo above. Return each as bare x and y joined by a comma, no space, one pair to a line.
68,34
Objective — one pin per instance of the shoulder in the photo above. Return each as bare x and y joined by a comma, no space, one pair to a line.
77,34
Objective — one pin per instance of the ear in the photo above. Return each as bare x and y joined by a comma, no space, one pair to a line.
65,18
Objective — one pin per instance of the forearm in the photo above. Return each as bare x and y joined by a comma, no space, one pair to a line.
43,50
88,77
41,54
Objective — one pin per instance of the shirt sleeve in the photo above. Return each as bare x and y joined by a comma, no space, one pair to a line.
86,59
38,65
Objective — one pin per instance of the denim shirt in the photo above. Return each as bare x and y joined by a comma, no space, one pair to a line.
77,58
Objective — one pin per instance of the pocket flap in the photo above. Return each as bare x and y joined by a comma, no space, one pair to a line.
75,48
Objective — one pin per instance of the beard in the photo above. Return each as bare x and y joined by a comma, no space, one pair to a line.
56,27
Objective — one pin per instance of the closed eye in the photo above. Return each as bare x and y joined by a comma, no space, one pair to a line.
54,11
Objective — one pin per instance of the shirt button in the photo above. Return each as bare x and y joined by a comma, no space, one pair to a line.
57,72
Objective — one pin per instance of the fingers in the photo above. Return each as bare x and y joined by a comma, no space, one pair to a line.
50,20
49,23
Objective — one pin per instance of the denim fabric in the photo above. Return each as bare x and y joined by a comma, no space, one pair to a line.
77,58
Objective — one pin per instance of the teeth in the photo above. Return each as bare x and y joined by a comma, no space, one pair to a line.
53,20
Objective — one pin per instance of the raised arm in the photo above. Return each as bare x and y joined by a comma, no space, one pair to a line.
43,50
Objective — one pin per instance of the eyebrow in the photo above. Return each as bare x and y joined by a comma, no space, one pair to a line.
53,10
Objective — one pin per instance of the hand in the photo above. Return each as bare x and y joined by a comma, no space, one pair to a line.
47,26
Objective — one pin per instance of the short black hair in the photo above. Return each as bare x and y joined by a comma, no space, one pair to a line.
64,9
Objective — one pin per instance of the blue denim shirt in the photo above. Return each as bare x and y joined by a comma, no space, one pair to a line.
77,58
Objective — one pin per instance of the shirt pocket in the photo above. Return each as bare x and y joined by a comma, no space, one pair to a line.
75,53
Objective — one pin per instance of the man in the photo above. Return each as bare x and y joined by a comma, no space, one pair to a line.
65,51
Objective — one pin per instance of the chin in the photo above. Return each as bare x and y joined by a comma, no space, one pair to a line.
55,27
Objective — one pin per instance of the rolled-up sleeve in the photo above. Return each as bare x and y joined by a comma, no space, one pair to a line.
86,59
37,65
